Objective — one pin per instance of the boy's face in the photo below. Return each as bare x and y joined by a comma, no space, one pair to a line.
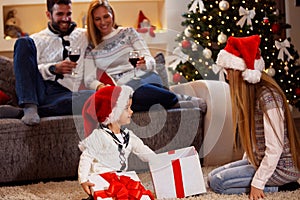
126,114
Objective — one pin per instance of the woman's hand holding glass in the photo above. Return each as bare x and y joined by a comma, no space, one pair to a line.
141,63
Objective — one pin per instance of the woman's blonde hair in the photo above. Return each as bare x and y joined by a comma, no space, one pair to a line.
94,35
243,97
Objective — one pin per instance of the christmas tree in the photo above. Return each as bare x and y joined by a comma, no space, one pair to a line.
209,23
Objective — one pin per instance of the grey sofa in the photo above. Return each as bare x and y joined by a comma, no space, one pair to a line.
50,150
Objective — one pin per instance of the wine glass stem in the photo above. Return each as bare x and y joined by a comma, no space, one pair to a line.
134,73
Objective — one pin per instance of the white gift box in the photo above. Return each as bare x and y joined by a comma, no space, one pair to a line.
101,184
177,174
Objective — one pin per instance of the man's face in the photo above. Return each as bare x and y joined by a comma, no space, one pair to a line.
61,16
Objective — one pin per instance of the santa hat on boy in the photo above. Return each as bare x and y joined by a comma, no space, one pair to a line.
105,106
243,54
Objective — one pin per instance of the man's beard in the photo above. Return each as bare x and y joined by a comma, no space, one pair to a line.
56,27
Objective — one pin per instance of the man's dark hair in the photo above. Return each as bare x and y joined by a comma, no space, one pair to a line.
50,3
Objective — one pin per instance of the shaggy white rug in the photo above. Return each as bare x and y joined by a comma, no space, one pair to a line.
72,190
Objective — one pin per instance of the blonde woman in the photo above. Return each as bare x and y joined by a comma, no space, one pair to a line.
108,51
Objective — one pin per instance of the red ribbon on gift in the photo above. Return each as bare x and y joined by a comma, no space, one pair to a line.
178,178
122,188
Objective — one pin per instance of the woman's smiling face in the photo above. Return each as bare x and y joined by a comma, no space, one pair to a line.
103,20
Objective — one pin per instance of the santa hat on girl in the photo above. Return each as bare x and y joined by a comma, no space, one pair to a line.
105,106
243,54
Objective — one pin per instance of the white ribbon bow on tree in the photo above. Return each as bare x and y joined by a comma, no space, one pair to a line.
247,15
217,69
176,57
282,47
197,3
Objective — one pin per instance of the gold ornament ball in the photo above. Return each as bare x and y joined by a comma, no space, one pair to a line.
222,38
207,53
224,5
187,32
271,71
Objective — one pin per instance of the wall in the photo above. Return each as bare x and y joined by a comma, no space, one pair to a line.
292,17
164,14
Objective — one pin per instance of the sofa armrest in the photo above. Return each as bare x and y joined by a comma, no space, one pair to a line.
218,141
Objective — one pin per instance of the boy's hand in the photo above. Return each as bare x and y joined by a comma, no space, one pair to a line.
86,187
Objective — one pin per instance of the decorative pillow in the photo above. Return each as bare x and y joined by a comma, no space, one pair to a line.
3,98
7,80
161,68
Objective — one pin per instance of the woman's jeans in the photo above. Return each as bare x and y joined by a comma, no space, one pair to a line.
234,178
51,98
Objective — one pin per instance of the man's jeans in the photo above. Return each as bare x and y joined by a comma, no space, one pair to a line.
51,98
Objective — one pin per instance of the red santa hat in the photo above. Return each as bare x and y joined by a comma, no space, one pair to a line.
105,106
243,54
141,19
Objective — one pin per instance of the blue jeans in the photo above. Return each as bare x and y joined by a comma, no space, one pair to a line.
148,95
51,98
234,178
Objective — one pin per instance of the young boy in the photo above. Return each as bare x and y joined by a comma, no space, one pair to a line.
107,147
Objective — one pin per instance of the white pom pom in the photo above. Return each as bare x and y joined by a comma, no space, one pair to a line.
252,76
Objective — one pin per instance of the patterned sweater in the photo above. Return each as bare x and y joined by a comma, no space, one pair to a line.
50,51
273,151
111,55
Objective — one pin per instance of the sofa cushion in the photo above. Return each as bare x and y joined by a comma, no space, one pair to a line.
7,79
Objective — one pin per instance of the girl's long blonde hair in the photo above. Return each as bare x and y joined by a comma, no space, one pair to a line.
94,35
243,97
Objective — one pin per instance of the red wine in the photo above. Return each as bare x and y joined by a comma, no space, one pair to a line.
133,61
74,58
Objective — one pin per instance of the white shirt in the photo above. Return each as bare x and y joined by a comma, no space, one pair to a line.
50,51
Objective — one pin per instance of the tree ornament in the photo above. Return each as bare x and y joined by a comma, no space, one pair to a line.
197,4
276,12
205,34
224,5
247,15
194,47
297,92
187,31
177,77
185,44
266,19
207,53
275,28
222,38
282,47
286,68
271,71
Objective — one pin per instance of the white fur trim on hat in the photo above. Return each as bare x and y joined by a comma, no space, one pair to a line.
229,61
125,94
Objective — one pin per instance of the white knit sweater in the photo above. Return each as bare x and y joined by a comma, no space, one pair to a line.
100,153
50,51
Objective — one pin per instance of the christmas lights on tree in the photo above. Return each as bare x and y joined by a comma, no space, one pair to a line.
209,24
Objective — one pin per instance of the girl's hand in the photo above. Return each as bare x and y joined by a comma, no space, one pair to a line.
141,64
86,187
256,193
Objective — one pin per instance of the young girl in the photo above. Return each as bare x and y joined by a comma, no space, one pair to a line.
264,125
107,147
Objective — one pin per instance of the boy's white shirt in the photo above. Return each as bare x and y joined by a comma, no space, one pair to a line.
100,153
